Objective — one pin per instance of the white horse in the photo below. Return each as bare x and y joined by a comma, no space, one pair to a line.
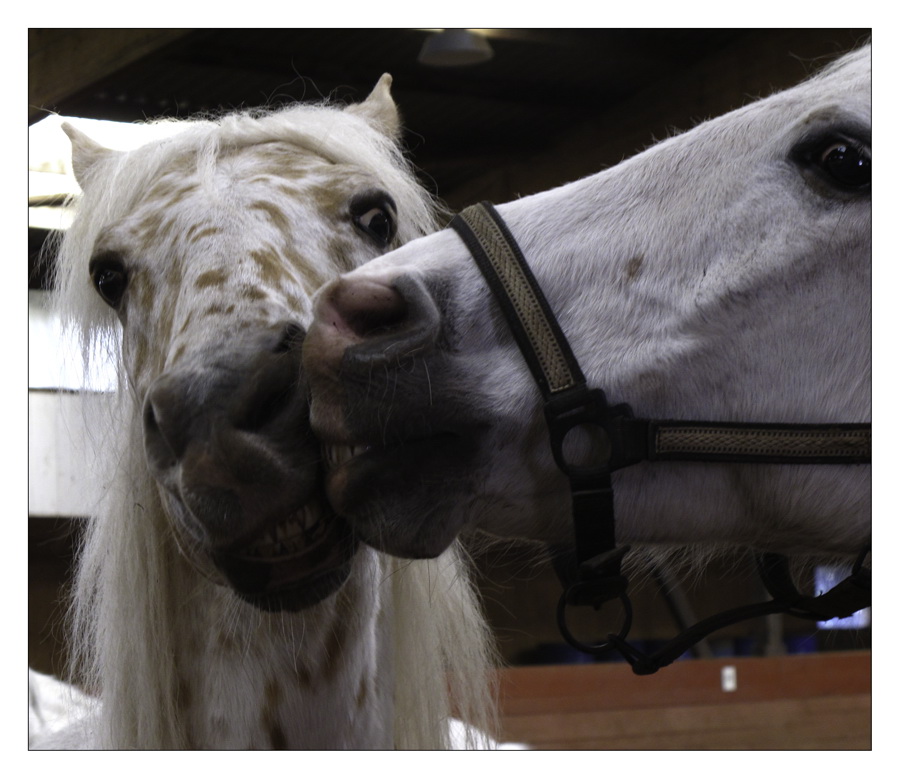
219,602
723,274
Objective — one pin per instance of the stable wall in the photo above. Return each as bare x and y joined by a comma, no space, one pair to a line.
816,702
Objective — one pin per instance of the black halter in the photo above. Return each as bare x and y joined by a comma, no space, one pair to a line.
593,575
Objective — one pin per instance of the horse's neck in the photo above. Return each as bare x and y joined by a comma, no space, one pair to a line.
322,678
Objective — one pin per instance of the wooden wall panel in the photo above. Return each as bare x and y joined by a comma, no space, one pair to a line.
818,701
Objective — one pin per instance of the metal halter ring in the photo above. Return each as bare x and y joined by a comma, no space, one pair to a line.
614,639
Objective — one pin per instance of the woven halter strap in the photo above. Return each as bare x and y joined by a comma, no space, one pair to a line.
620,440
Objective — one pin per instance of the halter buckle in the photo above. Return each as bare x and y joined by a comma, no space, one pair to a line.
615,442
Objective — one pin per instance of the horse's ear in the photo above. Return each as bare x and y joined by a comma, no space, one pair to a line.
380,109
86,152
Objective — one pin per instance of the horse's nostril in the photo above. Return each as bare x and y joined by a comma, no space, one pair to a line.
368,307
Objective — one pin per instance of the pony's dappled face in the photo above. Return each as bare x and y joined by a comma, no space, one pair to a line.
210,272
690,280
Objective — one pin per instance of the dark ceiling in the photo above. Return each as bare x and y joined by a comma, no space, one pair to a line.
460,121
537,83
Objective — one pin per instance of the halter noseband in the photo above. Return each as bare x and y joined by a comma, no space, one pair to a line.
594,576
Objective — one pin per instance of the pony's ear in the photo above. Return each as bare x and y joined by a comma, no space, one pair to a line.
86,152
379,108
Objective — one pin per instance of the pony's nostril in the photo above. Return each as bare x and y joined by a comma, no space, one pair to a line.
271,396
292,337
267,404
367,307
163,444
150,423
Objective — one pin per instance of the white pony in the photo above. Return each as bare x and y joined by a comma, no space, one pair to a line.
723,274
219,603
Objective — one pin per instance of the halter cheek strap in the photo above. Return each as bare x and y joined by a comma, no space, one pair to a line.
595,576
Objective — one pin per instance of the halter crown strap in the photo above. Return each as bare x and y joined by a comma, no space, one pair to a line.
530,318
563,385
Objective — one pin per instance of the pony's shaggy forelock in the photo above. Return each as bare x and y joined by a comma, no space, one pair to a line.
131,580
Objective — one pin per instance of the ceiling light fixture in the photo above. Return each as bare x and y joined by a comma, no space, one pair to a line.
452,48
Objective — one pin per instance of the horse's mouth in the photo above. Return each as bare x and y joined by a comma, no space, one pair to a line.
351,469
396,496
293,566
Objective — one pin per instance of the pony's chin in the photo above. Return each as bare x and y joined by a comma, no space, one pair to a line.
290,580
304,595
288,564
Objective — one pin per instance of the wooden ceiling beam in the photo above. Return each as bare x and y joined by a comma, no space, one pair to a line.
64,62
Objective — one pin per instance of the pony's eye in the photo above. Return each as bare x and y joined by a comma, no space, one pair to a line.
109,278
376,216
847,164
377,223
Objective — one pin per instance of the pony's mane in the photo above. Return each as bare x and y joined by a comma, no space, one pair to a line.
126,586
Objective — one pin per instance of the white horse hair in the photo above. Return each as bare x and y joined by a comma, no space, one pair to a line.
723,274
382,655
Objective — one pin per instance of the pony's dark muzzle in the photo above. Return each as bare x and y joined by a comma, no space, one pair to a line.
231,440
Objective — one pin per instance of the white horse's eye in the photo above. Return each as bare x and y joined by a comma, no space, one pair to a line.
374,214
109,277
839,160
848,164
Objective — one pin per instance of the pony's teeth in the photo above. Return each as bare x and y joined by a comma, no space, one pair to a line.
292,528
291,536
310,520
